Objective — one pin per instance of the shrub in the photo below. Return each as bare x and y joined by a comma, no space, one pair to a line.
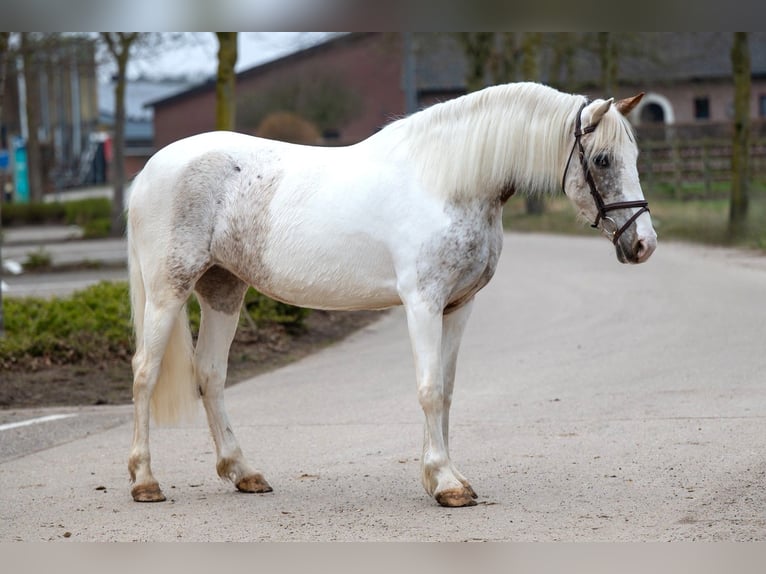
37,260
262,310
78,212
33,213
289,127
96,228
83,211
93,325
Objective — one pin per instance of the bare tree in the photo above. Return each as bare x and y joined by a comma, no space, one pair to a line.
225,82
740,63
530,61
530,69
504,59
562,70
609,57
119,45
477,47
501,54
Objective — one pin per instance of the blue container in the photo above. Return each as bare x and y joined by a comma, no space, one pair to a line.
20,172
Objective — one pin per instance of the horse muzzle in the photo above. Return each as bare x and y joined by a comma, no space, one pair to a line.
633,248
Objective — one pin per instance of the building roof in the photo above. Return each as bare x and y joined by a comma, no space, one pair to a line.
138,118
137,94
694,56
645,57
209,83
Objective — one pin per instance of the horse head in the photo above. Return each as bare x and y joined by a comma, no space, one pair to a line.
603,182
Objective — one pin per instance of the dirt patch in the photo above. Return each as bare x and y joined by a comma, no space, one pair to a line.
252,353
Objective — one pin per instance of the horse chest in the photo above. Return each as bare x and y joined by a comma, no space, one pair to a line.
455,266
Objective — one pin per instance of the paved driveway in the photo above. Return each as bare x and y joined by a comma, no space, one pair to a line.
594,401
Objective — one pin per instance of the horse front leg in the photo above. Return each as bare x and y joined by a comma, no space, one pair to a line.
452,333
439,479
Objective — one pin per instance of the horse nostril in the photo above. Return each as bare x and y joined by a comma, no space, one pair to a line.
642,249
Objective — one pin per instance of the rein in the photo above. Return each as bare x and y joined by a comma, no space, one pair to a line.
603,208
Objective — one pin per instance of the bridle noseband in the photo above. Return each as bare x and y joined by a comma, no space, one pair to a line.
611,232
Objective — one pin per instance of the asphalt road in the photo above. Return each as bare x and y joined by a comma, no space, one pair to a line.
98,259
594,402
59,283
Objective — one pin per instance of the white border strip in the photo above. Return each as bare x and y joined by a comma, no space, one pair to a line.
38,420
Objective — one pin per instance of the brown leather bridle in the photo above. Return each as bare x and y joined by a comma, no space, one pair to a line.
603,208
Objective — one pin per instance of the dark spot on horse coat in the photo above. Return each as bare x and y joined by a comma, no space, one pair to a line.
221,289
458,263
507,192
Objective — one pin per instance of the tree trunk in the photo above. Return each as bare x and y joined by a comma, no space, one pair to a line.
32,82
608,55
562,72
118,148
740,62
119,45
504,59
477,47
530,69
225,84
530,61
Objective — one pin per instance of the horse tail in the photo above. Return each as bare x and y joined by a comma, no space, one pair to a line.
175,394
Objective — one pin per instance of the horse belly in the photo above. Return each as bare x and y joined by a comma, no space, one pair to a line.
349,272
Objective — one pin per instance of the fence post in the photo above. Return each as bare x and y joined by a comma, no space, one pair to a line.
706,176
649,166
677,171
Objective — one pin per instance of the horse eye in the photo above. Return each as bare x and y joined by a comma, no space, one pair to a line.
601,161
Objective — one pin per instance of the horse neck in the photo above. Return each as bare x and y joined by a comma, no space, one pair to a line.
493,142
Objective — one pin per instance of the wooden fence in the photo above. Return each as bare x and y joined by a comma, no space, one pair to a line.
695,168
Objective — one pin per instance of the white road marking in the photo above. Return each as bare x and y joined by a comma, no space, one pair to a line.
38,420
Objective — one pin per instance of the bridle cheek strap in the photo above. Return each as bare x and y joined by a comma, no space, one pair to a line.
602,208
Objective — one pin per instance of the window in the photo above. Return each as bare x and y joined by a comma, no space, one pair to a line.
702,108
762,106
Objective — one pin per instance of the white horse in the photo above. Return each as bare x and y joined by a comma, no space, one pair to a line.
410,216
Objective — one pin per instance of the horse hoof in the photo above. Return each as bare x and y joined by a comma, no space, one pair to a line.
254,483
147,493
456,497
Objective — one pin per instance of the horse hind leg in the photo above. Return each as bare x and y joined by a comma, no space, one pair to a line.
158,325
220,295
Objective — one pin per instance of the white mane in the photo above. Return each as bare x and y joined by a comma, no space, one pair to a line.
515,135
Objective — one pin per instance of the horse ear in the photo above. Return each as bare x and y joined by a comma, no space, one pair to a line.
600,110
626,106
